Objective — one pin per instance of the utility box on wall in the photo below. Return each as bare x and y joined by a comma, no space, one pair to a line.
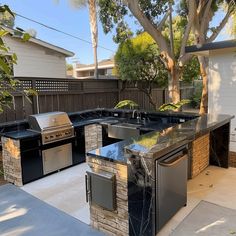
100,189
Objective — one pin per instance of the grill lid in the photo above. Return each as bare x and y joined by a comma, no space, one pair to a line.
49,121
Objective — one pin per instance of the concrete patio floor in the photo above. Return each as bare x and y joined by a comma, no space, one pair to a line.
65,190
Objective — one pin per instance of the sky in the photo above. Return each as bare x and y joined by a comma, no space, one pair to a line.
70,20
65,18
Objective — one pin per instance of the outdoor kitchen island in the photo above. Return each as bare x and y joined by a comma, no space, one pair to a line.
130,181
135,186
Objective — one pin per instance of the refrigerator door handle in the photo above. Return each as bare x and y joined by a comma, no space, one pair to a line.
175,162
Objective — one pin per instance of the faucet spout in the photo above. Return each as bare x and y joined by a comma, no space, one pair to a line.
134,113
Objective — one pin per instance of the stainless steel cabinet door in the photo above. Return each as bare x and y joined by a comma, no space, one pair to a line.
171,189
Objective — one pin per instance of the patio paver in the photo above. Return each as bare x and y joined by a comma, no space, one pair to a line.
66,191
24,214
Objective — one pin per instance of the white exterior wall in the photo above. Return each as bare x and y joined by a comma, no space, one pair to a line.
35,60
222,87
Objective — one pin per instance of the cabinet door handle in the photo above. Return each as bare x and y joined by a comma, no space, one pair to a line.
86,188
175,162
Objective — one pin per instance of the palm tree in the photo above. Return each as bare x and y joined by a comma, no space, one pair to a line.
93,26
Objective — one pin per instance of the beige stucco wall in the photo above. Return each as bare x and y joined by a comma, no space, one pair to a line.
35,60
222,87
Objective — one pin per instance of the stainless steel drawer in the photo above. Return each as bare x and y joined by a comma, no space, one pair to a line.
57,158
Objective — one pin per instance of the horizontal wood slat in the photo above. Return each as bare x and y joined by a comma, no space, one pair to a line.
75,95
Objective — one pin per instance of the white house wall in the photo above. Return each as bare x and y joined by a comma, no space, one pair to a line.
35,60
222,88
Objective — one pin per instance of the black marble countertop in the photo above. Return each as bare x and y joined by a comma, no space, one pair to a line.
21,134
157,143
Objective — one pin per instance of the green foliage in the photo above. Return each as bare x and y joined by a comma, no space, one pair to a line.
26,37
196,98
6,16
126,104
138,59
191,70
232,29
69,67
8,84
113,14
165,107
172,106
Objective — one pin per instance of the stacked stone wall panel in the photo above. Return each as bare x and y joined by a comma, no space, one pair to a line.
111,222
232,159
12,161
200,154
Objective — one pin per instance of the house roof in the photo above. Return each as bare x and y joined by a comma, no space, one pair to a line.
104,64
44,44
205,48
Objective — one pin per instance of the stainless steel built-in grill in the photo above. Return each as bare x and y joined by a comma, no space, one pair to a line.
53,126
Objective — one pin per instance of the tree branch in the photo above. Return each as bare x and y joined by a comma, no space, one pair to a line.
205,15
219,27
201,4
191,16
149,27
162,22
187,57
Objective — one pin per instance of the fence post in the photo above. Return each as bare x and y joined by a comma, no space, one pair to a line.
34,98
119,89
163,96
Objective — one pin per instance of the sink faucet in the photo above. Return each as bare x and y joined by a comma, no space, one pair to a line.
133,113
138,116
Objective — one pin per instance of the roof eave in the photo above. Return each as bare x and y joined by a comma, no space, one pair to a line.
204,50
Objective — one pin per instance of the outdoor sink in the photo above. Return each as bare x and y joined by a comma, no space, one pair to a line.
123,130
128,125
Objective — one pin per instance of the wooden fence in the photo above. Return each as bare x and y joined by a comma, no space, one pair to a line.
74,95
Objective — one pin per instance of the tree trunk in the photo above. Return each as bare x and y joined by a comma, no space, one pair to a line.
174,90
204,69
95,62
151,101
94,33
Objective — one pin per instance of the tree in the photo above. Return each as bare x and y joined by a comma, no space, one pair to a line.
8,84
204,12
191,69
7,19
93,26
138,60
152,15
69,67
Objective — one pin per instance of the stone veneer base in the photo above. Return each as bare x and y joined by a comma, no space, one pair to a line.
232,159
111,222
200,154
11,159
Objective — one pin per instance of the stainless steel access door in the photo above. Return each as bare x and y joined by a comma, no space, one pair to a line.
171,186
57,158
